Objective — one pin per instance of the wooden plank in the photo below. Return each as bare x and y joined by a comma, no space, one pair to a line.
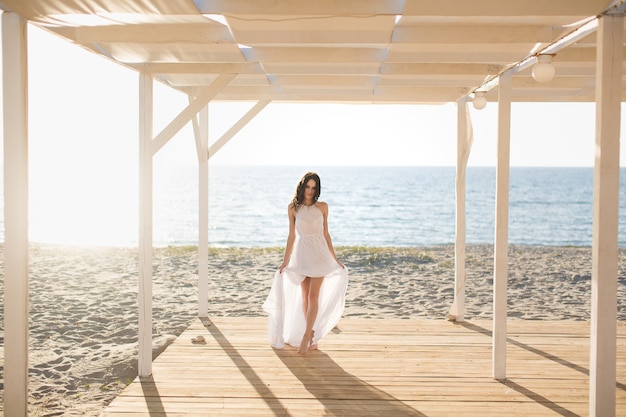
371,367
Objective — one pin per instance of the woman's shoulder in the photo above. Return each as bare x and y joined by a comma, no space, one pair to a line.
322,205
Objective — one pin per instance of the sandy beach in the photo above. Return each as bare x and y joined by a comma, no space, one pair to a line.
83,302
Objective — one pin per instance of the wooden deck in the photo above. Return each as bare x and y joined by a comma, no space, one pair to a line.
371,367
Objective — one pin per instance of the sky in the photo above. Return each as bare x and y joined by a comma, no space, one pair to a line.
83,137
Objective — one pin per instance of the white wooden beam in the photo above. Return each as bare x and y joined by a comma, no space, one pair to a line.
201,100
199,68
429,69
341,34
602,367
324,81
559,46
418,94
150,33
195,124
560,82
324,7
15,112
318,55
393,95
328,69
201,134
217,145
146,115
580,55
429,81
500,9
472,34
464,146
495,8
502,229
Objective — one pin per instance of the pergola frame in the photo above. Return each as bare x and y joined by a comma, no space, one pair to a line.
609,93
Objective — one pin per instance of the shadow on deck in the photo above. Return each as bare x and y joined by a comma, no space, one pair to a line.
371,367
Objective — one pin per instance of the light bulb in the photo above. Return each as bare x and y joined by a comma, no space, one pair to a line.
480,101
543,70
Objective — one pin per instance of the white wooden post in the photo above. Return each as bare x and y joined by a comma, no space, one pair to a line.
203,211
145,224
464,144
15,112
502,229
602,376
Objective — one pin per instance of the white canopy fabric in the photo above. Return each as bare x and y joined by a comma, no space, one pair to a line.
370,51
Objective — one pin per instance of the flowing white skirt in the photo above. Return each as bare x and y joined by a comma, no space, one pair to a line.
284,303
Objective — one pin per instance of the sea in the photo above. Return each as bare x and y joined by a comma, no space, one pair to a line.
393,206
368,206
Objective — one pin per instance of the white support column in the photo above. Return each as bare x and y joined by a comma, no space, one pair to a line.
203,210
502,229
464,145
145,223
15,111
602,375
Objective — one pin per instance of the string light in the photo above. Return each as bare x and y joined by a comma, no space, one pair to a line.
480,100
543,70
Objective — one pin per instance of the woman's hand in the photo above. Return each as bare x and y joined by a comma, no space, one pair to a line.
283,266
340,263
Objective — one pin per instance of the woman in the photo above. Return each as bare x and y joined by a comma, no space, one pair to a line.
307,297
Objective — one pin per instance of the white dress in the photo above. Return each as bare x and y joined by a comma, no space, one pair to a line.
311,257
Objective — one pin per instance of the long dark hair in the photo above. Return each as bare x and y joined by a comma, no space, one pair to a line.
298,196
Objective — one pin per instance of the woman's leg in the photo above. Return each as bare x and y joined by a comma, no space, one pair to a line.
312,296
305,285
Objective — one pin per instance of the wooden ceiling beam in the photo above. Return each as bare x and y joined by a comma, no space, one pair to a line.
300,7
315,55
313,38
209,32
464,34
468,56
529,83
582,55
499,8
403,68
353,68
199,68
323,81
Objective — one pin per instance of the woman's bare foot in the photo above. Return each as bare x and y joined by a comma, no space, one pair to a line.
306,344
313,346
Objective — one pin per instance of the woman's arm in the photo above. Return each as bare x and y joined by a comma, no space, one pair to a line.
291,211
324,207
